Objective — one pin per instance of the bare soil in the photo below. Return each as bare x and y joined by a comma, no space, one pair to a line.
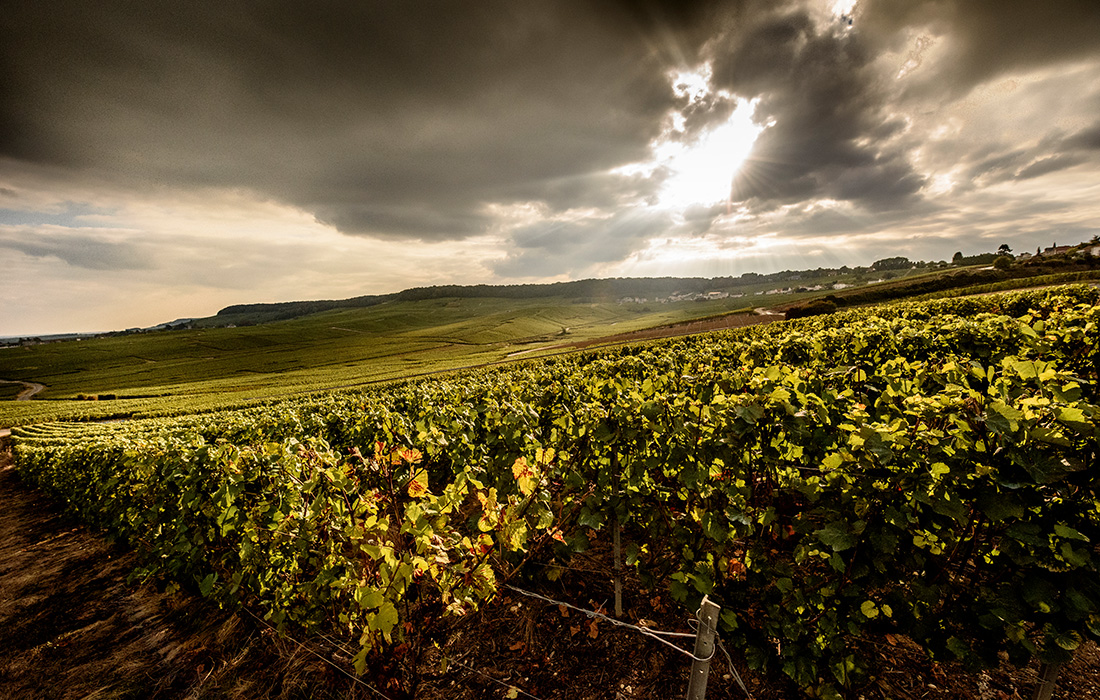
73,627
30,389
702,325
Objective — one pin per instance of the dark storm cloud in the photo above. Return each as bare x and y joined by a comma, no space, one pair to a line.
831,133
398,119
988,38
78,248
1086,139
834,105
992,163
571,247
405,120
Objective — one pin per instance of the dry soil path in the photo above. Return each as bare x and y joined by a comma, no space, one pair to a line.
72,627
29,389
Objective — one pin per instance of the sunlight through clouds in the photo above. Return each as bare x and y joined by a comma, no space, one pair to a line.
698,163
704,170
702,166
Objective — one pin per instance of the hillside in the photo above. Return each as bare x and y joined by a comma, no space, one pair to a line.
259,352
183,370
869,494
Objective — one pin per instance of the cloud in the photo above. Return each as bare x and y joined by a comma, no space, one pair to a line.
90,249
1051,164
291,151
831,132
984,39
1086,139
396,120
579,245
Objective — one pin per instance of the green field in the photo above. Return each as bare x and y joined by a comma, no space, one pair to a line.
216,364
188,370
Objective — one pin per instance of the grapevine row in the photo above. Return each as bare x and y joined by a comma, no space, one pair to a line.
920,469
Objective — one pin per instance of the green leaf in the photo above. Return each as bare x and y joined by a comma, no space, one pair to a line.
1069,533
590,519
1067,642
869,609
385,619
958,647
207,584
360,660
1002,418
1000,506
368,598
1048,469
836,535
1072,556
1075,418
1025,368
632,553
750,413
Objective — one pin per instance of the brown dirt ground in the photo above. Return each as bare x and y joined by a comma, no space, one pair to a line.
714,323
73,627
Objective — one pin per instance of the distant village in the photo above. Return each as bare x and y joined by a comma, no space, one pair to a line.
888,265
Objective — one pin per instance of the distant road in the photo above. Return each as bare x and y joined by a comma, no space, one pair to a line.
760,310
29,390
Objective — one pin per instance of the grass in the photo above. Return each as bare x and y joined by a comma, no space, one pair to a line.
207,368
188,370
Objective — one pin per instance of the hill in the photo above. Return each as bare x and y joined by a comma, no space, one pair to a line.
249,353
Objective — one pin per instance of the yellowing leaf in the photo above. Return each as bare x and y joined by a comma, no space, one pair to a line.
418,486
490,513
833,461
525,476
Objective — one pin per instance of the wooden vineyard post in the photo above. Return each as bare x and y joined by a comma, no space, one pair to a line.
704,649
616,538
1048,675
618,567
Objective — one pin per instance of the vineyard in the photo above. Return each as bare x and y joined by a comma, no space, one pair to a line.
922,469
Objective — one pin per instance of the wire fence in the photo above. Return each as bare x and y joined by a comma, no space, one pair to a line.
515,691
658,635
327,661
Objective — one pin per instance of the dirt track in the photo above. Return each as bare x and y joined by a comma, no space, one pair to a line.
73,627
29,389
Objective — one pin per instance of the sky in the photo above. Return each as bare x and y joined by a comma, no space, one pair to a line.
162,159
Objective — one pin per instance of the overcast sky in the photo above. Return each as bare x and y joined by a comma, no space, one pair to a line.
164,159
